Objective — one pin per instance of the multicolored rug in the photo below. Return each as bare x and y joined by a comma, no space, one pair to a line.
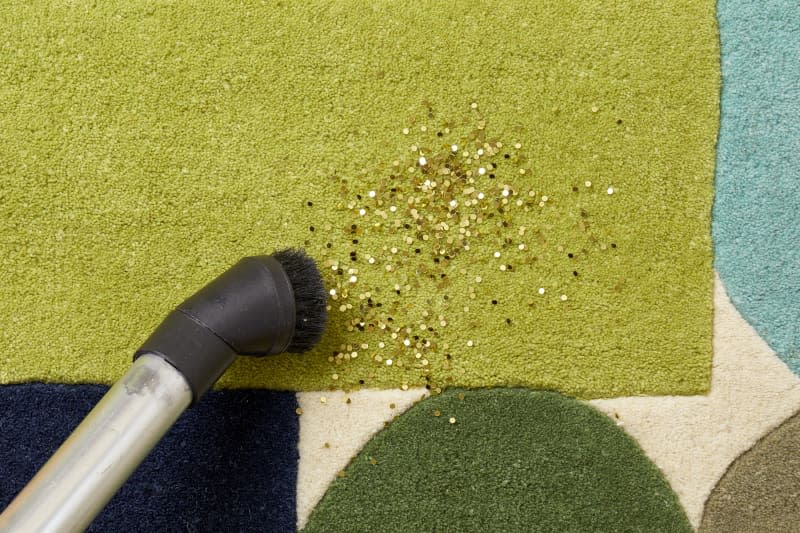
560,240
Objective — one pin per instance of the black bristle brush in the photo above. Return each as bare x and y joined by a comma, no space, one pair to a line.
261,306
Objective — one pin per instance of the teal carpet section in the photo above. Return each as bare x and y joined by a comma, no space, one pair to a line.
500,460
756,225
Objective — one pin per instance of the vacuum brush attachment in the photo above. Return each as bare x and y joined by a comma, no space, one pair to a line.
261,306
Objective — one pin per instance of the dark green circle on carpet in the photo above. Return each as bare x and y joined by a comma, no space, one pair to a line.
514,460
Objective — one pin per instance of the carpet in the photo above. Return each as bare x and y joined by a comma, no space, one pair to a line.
512,206
148,146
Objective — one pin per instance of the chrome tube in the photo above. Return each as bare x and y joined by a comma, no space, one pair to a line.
94,462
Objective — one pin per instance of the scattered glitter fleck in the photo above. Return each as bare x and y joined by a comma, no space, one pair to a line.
326,444
335,376
470,343
371,194
341,473
389,362
407,342
437,412
610,190
362,211
353,279
497,254
423,161
588,183
474,105
452,420
481,171
298,411
461,396
332,292
563,297
323,399
392,406
454,148
404,386
541,290
406,131
478,279
595,109
502,268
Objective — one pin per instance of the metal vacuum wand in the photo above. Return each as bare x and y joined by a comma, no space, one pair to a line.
261,306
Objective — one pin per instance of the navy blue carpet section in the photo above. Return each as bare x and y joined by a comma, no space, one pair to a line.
228,464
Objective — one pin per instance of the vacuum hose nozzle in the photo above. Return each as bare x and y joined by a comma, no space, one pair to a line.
261,306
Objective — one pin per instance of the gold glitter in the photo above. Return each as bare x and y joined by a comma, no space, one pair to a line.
595,109
474,105
341,473
404,386
326,445
588,183
470,343
392,406
610,190
373,461
452,420
323,399
461,396
541,290
563,297
298,411
437,413
436,212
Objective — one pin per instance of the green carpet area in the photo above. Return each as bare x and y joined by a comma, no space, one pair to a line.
146,146
761,489
500,460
